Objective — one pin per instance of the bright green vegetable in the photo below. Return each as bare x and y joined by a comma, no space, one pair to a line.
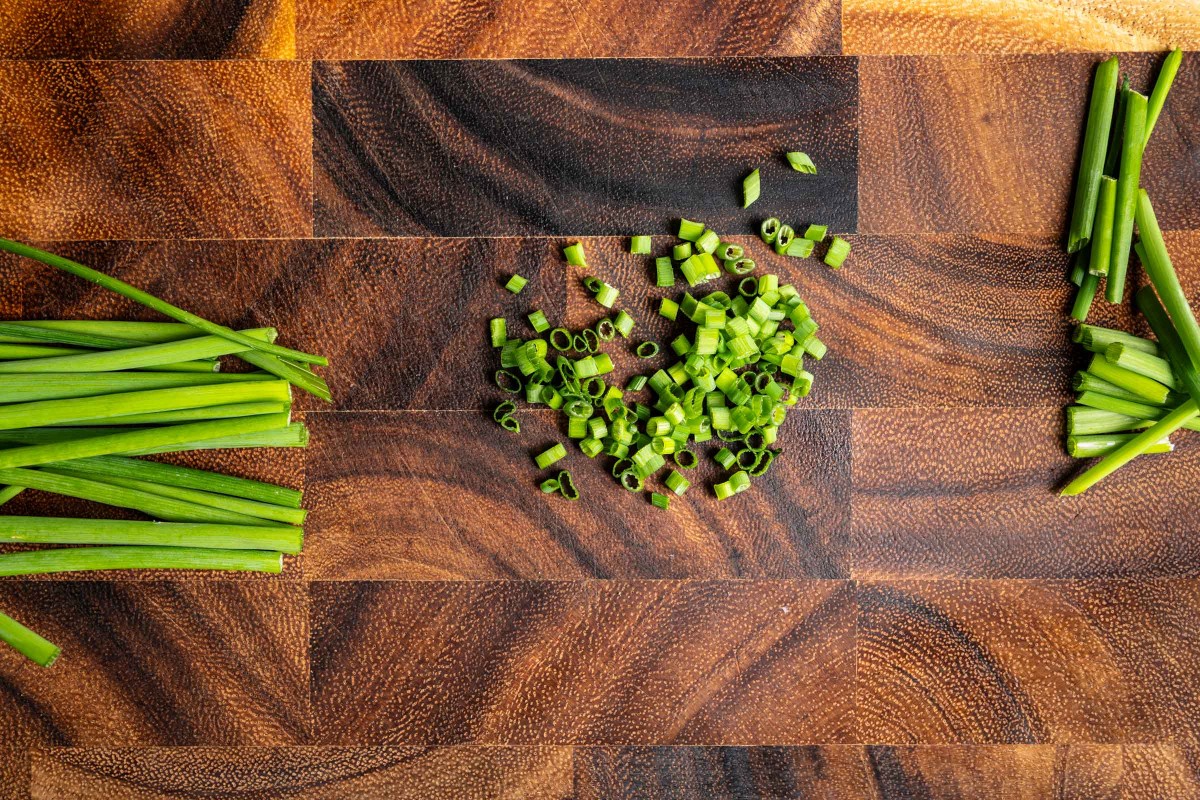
1095,143
515,284
86,559
750,189
1127,189
51,530
27,643
1158,97
551,456
639,245
575,255
801,162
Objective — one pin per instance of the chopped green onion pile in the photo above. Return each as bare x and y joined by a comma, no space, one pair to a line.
80,400
739,363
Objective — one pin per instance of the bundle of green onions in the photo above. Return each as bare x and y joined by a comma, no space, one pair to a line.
1135,393
81,401
740,366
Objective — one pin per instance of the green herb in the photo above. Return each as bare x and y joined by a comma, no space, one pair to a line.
750,189
87,559
1095,142
639,245
27,643
1158,97
575,255
801,162
1126,200
515,284
839,248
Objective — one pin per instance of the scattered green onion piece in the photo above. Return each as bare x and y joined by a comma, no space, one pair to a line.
631,480
801,162
1127,195
590,340
1097,339
750,189
668,308
566,486
769,230
560,339
740,266
690,231
839,248
1158,97
575,255
660,500
1166,283
639,245
507,381
664,272
551,456
606,295
592,283
647,350
28,643
723,490
1095,143
499,331
503,410
515,284
606,330
728,251
681,252
549,486
800,248
708,241
636,383
816,233
725,458
783,238
539,322
1085,296
765,460
1153,367
510,424
677,483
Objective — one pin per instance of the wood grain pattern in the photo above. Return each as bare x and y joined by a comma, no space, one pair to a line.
578,147
137,29
317,773
605,663
376,29
384,509
158,664
974,27
990,145
1162,770
944,493
14,774
93,150
1027,662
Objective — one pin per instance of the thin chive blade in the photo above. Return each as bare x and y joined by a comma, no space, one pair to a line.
1158,97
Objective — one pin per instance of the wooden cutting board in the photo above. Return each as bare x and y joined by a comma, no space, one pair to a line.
902,608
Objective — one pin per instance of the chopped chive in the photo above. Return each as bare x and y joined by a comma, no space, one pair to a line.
740,266
839,248
728,251
575,255
800,248
690,231
1101,241
664,272
636,383
28,643
606,295
551,456
801,162
85,559
566,486
507,382
681,252
498,328
708,242
660,500
624,323
725,458
1127,195
606,330
647,350
549,486
677,483
1158,97
639,245
1147,388
668,308
769,230
1095,143
815,233
538,321
783,238
750,189
515,284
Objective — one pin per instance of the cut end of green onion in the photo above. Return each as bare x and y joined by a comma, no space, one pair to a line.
750,189
515,284
639,245
539,322
769,230
801,162
575,255
550,456
816,233
647,350
660,500
689,230
839,248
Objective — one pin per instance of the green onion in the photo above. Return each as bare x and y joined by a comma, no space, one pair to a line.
551,456
9,492
639,245
227,411
708,242
1169,341
50,530
1085,296
139,332
690,231
676,482
636,383
1101,241
1087,382
1166,283
1151,390
1095,142
816,233
1102,444
539,322
45,386
292,435
769,230
549,486
681,252
1082,420
801,162
139,442
566,486
1129,408
606,295
1112,159
750,189
668,308
1153,367
186,477
27,643
624,323
647,350
783,238
575,255
1127,189
86,559
14,332
515,284
664,272
1097,339
498,329
725,458
1141,443
660,500
800,248
839,248
685,459
1158,97
148,300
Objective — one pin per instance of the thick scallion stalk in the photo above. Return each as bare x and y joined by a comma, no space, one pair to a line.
1168,337
51,530
289,371
1112,159
11,332
9,492
1153,367
1102,229
1166,282
150,301
51,412
141,332
27,642
1147,388
228,411
1158,97
292,435
89,559
1102,444
45,386
1127,188
1095,142
1097,339
1084,297
150,355
163,439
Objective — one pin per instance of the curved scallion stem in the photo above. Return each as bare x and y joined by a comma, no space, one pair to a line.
1095,143
26,642
1097,445
91,559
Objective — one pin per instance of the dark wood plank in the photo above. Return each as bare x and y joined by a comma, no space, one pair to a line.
830,772
602,662
137,29
318,773
990,145
451,495
1160,770
1027,662
94,150
579,147
945,493
377,29
14,774
182,663
927,27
